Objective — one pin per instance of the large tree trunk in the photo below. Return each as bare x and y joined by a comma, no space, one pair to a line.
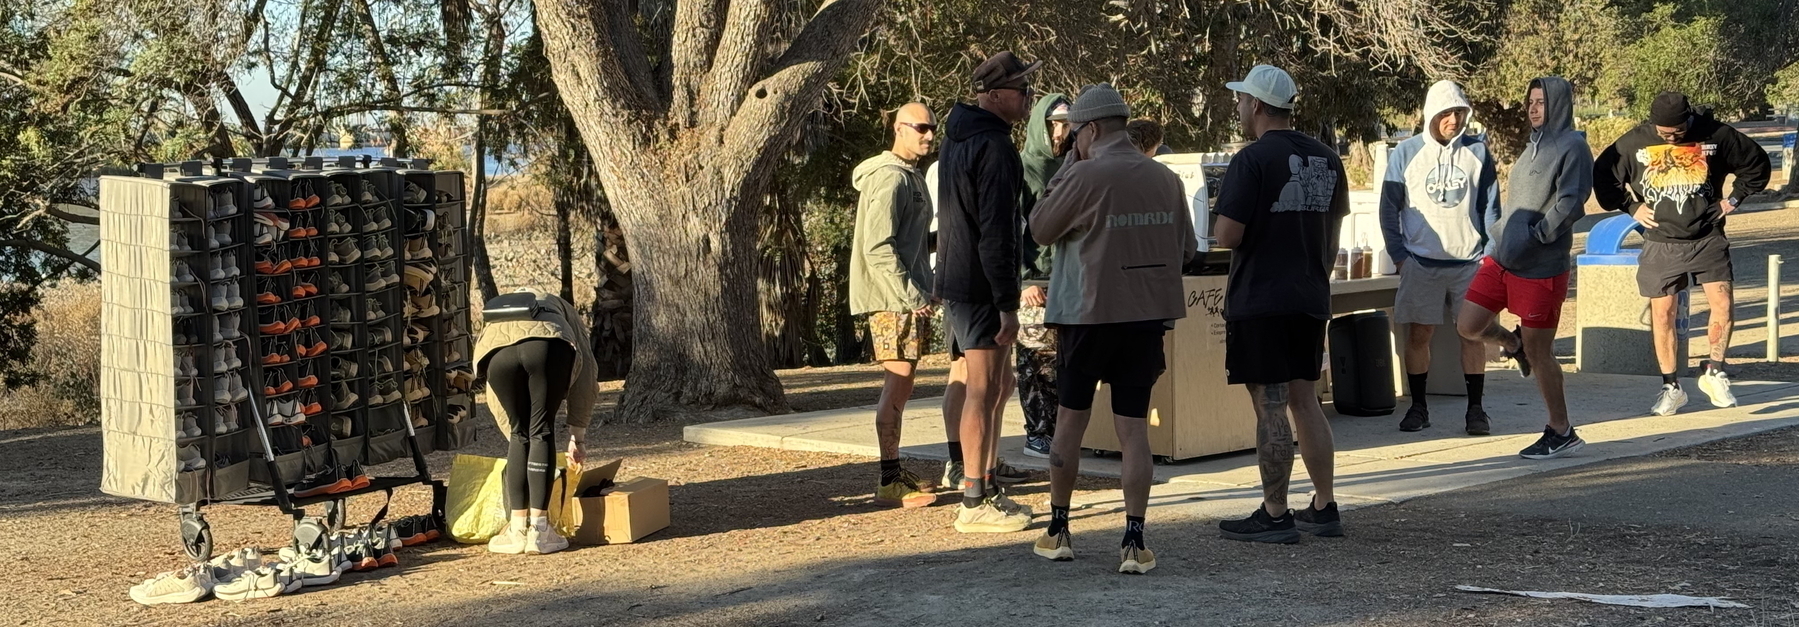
685,162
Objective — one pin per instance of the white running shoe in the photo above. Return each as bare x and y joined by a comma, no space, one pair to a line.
510,541
989,518
1716,384
1669,401
177,586
542,539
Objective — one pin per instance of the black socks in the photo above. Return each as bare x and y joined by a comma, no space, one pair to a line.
1058,520
1416,381
890,471
1669,378
1477,386
1133,531
955,452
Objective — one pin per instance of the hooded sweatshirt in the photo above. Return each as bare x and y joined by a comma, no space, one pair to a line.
977,213
1121,230
1437,194
1683,181
890,253
1546,192
1040,163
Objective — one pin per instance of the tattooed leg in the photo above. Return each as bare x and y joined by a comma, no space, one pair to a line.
1065,454
1719,298
1274,444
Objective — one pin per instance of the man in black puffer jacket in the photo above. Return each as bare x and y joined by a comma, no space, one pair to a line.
977,278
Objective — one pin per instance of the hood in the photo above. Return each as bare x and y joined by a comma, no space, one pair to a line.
966,121
1558,106
1444,96
1040,162
861,175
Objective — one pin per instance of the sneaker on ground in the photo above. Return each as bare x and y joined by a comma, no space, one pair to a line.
1523,361
186,585
1006,473
510,541
1478,422
952,476
260,583
1135,561
1036,446
903,493
314,568
1716,384
1261,527
1059,547
989,518
1006,504
1323,523
1416,418
1669,401
1553,445
541,539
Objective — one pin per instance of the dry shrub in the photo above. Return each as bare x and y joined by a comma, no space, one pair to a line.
518,204
66,360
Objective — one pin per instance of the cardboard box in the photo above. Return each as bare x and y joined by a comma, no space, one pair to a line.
625,511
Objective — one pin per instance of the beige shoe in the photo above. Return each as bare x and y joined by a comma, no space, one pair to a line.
541,539
511,540
1135,561
988,518
1059,547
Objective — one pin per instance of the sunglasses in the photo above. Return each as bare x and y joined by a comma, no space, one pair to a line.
921,128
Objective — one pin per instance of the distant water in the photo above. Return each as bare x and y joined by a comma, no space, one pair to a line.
495,167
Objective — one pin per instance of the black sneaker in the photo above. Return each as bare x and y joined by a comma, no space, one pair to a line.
1478,423
1523,362
1416,418
1553,445
1260,527
1036,446
1004,473
1323,523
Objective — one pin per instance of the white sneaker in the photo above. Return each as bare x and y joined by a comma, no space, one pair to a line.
510,541
260,583
541,539
988,518
1669,401
1716,384
314,568
177,586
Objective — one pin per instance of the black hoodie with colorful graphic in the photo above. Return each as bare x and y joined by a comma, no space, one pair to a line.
1683,182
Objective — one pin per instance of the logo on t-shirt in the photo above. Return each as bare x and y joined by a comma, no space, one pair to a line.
1446,184
1673,172
1309,188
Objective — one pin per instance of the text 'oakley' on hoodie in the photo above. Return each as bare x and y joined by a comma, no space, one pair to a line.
1683,182
1437,195
977,210
1546,192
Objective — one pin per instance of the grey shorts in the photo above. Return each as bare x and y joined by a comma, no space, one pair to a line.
1431,295
1667,268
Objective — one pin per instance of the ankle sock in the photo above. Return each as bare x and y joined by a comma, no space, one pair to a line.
971,492
890,471
1669,378
1058,519
1133,531
955,451
1477,387
1416,381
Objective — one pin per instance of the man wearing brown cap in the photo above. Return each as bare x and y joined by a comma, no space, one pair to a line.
1668,173
977,276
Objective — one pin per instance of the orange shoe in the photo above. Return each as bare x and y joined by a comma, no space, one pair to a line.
313,321
312,409
309,381
267,298
297,293
273,328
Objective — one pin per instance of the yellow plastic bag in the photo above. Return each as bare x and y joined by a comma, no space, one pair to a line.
476,511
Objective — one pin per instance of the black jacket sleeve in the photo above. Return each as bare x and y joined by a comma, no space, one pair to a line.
1611,181
1749,161
997,182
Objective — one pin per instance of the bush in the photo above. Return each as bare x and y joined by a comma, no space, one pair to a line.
1601,132
65,362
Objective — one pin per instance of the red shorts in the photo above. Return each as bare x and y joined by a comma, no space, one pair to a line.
1536,302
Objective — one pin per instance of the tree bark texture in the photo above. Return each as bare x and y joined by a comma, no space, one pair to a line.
686,168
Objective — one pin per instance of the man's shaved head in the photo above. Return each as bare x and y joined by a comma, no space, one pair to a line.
914,129
915,113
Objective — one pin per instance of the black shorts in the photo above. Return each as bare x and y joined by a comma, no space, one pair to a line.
1275,349
970,326
1666,268
1126,355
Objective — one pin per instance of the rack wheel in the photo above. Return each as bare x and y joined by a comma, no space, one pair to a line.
335,512
196,536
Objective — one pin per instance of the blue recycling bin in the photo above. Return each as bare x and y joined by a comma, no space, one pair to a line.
1612,328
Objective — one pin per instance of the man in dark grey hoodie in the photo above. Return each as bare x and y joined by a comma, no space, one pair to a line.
1526,269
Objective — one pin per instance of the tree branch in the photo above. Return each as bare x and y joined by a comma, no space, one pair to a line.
629,49
740,53
53,251
62,212
774,105
590,78
695,37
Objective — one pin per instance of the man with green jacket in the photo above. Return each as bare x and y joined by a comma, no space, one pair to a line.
1042,157
890,280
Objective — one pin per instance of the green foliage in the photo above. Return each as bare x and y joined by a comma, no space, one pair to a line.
1685,54
1601,132
1785,90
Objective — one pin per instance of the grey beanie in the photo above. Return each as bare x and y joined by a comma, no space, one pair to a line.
1098,102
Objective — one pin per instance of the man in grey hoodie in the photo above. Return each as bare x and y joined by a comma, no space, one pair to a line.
1526,270
1440,187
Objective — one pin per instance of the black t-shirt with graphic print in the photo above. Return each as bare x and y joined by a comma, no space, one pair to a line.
1290,193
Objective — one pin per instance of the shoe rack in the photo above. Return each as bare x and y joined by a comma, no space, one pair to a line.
440,348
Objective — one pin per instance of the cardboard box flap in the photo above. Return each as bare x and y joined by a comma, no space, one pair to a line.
589,477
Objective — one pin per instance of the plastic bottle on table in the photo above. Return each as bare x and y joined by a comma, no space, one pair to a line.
1340,271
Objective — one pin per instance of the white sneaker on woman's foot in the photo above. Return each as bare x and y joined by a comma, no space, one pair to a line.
511,540
542,539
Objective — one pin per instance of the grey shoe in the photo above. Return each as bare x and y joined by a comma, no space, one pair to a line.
952,476
1006,473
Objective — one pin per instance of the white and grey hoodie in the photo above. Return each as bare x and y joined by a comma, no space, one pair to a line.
1438,196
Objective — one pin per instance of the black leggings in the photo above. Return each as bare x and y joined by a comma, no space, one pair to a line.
530,379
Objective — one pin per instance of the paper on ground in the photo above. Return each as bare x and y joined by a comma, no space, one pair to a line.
1633,600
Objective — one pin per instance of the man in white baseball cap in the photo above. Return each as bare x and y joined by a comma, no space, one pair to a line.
1279,209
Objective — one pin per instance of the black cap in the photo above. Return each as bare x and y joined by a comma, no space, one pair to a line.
1003,71
1670,109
